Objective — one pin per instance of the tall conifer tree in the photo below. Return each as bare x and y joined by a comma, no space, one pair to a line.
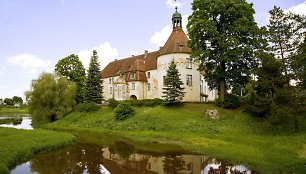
94,88
284,34
172,85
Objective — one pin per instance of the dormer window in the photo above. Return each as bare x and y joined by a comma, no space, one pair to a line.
132,75
188,63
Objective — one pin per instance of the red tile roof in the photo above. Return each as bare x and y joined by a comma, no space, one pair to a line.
176,43
144,62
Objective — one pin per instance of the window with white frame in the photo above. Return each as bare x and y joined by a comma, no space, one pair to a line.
115,87
133,86
164,80
189,80
111,90
132,75
149,75
188,63
149,86
110,80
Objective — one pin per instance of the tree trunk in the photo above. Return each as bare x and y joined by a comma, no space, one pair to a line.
222,82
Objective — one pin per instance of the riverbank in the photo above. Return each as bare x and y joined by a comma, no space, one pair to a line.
236,136
11,111
18,145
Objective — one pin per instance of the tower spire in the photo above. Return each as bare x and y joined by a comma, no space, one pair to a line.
176,19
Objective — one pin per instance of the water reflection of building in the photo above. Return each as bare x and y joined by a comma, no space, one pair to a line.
181,164
168,164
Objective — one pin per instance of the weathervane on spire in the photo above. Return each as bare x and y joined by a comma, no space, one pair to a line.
175,6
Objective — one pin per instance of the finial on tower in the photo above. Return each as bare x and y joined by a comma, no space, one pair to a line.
176,19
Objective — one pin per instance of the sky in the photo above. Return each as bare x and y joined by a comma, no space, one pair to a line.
36,34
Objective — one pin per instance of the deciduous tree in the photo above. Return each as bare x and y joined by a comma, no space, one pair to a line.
72,68
9,101
17,99
224,38
51,98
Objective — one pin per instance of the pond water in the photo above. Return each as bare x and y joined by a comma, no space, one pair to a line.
18,122
108,154
123,158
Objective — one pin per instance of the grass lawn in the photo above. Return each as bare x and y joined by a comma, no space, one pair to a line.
236,136
8,111
18,145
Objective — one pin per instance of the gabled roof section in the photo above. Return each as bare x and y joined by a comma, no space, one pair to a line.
176,43
143,62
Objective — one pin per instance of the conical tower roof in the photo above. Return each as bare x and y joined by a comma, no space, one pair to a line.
176,43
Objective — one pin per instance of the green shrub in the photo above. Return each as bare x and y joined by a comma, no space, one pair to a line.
87,107
112,103
231,101
145,103
219,102
123,111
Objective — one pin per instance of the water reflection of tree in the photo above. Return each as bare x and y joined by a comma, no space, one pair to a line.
173,164
75,159
124,149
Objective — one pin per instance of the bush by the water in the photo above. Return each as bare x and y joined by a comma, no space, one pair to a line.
87,107
123,111
231,101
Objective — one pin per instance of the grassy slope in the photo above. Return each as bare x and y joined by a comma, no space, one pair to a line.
235,136
13,111
18,145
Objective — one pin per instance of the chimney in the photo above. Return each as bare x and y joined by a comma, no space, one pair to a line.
146,53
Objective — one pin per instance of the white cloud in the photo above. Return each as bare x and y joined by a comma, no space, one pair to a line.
185,22
172,3
31,63
298,9
105,52
160,37
2,69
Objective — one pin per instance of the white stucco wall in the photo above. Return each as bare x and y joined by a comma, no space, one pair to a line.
153,80
199,85
140,90
107,94
192,92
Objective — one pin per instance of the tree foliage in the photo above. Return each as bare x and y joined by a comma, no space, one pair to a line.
8,101
51,98
172,90
284,35
272,97
299,64
94,88
17,99
72,68
224,38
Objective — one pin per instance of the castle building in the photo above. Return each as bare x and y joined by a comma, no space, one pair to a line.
141,77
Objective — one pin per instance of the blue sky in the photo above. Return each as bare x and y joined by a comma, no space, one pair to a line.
35,34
